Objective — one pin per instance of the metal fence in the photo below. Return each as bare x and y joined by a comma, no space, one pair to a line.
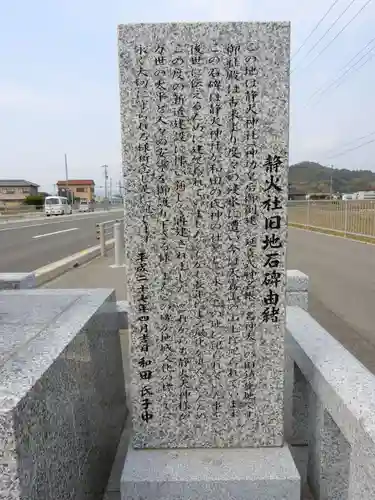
347,217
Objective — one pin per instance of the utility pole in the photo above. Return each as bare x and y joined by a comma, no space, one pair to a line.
110,189
66,175
105,181
66,171
331,184
120,190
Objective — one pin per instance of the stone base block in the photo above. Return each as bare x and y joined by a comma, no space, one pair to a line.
220,474
62,395
17,281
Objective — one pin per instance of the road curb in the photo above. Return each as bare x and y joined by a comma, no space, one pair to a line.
370,240
51,271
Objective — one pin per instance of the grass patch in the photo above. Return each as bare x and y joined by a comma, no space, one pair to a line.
365,239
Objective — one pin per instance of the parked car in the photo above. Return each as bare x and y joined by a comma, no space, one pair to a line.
86,206
57,205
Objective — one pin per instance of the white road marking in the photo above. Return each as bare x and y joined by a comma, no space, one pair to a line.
60,221
55,232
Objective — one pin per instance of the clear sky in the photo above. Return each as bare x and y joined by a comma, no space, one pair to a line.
59,91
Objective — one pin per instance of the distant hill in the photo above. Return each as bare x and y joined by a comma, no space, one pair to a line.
310,177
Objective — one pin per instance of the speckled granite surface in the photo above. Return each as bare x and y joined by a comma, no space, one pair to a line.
335,407
204,116
222,474
62,403
17,281
297,281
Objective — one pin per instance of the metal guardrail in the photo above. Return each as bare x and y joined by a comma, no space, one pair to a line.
112,229
345,217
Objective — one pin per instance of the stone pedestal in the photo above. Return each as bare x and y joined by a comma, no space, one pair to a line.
62,402
217,474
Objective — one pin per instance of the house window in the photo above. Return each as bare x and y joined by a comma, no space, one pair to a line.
81,190
10,190
26,190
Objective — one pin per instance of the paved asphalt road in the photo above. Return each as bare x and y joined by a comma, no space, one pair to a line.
26,245
342,272
342,287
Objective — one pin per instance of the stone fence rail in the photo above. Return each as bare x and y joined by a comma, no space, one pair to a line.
329,411
297,285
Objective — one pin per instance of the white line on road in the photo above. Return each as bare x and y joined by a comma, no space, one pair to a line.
55,232
60,221
44,218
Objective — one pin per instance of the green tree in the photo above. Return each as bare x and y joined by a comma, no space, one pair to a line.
36,200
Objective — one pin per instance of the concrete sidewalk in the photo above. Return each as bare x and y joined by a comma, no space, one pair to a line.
94,274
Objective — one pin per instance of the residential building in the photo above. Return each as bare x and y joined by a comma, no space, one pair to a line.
13,192
79,188
295,193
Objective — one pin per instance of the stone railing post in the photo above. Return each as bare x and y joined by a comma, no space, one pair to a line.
297,289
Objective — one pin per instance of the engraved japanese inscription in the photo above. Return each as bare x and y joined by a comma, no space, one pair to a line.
204,118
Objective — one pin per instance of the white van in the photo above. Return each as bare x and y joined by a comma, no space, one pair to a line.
86,206
57,205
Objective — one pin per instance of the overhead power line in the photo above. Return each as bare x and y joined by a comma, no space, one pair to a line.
340,32
326,32
368,59
342,79
347,68
346,151
314,29
353,141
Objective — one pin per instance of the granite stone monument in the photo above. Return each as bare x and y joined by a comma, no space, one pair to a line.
204,118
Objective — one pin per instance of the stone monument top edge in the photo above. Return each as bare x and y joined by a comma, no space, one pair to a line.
188,23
